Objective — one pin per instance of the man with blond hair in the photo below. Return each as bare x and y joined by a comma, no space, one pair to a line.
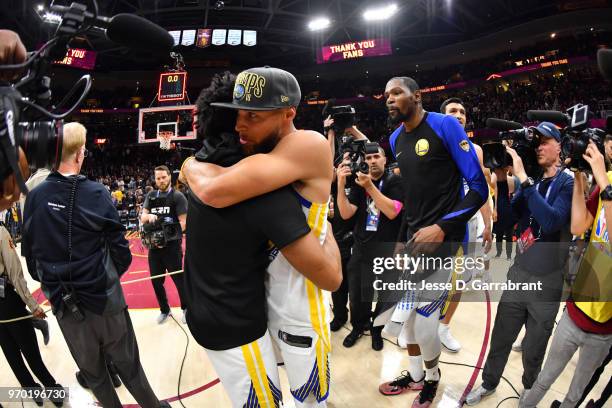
77,247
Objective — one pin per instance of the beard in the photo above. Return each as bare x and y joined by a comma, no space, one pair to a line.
265,146
393,121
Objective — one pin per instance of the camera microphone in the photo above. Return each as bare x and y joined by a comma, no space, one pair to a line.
501,124
548,116
128,30
604,61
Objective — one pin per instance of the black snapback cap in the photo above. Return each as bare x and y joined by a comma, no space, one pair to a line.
264,88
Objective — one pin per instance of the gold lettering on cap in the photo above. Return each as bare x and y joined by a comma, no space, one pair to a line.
253,84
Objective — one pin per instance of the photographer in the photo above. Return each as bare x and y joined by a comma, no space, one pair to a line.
375,202
343,229
542,209
73,234
165,205
585,324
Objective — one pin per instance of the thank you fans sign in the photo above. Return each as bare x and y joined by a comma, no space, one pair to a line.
354,50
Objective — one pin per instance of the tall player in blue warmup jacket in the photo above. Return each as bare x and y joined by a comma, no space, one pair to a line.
434,156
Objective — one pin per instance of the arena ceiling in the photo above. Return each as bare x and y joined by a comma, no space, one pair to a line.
283,37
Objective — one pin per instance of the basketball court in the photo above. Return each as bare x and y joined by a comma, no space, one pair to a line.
356,372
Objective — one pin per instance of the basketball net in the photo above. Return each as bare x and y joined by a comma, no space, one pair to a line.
165,140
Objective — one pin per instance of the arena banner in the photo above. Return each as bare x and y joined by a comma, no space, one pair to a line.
234,37
218,36
249,38
354,50
204,37
78,58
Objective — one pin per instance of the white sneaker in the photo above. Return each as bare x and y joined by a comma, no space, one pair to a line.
447,339
476,395
163,317
518,345
184,318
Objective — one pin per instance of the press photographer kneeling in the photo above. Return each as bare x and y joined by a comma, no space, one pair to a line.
542,209
164,209
376,202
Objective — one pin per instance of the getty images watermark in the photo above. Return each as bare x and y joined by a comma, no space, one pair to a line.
415,265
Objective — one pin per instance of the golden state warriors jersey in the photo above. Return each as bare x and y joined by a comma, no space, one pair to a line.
293,300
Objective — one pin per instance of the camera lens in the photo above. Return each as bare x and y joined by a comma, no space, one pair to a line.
364,168
42,143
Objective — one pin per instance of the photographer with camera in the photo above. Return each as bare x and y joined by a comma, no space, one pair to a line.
587,321
376,203
542,208
163,209
343,229
73,234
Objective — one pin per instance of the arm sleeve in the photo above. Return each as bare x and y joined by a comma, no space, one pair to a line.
278,215
593,202
551,217
456,140
114,232
181,203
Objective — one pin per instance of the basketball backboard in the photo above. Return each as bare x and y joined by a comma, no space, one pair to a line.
175,119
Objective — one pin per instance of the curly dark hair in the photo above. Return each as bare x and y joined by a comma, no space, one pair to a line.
211,120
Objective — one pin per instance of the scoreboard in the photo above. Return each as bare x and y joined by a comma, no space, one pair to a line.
172,86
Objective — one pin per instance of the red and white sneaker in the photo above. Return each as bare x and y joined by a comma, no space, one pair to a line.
427,395
401,384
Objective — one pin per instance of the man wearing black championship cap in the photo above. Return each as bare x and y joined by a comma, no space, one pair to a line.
266,99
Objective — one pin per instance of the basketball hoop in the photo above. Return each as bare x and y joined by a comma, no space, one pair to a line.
165,140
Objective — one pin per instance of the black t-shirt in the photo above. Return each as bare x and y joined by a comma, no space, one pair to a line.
161,204
226,261
343,229
387,230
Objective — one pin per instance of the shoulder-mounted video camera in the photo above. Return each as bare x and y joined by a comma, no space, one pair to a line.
524,140
28,122
343,116
158,234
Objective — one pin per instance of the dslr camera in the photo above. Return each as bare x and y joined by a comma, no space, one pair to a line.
524,140
576,138
357,151
158,234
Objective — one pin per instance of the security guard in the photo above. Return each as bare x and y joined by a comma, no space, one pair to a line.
17,339
166,205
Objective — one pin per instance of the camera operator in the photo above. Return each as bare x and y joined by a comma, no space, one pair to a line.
343,229
375,203
542,209
166,205
72,232
587,321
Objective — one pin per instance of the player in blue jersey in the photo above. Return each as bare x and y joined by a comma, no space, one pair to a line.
434,156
